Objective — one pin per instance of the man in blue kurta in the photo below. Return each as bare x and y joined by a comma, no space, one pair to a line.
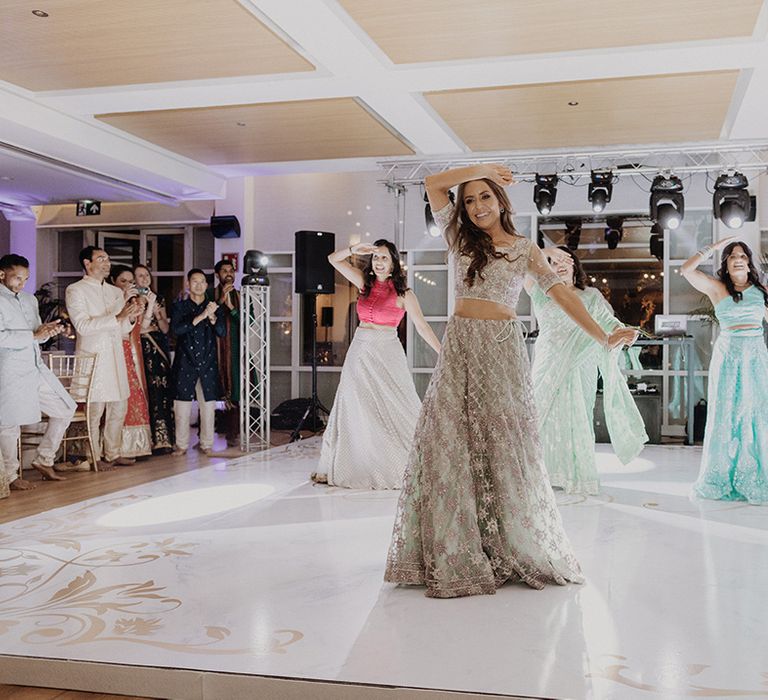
197,323
27,387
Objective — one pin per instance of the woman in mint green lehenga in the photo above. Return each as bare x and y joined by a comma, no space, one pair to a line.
565,369
734,463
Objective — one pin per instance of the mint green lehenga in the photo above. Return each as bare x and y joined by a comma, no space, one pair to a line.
734,464
565,370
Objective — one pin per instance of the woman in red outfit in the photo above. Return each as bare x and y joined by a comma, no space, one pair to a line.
371,426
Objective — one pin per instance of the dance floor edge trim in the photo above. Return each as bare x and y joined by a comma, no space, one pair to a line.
157,682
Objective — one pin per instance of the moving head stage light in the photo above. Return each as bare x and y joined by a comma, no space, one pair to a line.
667,201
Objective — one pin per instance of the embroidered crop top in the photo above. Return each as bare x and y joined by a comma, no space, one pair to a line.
750,310
380,306
503,277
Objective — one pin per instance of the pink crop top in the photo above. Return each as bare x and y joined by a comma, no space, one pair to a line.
380,306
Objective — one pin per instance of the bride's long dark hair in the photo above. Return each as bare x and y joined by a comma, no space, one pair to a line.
752,274
473,241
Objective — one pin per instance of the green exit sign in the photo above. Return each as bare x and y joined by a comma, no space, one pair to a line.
88,207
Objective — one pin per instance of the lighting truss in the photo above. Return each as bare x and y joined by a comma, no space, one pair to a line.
572,165
254,368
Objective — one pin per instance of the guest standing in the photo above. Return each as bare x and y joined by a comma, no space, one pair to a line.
136,433
100,315
197,323
157,364
228,346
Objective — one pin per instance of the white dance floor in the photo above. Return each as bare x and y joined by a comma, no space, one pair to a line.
247,570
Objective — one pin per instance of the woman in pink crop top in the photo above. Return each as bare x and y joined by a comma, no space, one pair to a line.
476,509
370,429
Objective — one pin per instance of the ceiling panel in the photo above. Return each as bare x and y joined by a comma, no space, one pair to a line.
83,44
444,30
655,109
282,131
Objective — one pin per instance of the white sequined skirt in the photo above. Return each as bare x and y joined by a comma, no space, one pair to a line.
371,426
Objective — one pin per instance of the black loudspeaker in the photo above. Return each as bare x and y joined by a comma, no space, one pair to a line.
314,274
326,317
225,227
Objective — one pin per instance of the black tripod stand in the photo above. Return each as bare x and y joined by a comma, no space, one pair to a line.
315,404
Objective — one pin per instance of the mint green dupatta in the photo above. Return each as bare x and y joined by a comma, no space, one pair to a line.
564,383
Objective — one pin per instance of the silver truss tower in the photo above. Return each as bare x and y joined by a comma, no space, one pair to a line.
254,368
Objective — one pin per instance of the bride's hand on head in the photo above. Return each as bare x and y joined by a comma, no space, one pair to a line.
363,249
500,174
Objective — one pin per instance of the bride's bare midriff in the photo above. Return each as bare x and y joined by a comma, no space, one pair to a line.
485,310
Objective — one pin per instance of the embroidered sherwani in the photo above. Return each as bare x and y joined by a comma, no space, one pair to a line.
27,387
93,307
195,369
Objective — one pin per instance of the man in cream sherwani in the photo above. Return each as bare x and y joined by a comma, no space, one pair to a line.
100,314
27,387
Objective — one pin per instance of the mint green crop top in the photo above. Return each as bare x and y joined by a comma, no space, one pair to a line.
749,311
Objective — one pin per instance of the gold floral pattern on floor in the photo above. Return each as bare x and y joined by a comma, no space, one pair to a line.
675,681
50,592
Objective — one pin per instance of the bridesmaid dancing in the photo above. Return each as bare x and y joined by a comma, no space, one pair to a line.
565,369
476,509
734,462
370,429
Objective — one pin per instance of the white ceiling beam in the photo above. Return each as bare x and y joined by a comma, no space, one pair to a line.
97,147
749,104
521,70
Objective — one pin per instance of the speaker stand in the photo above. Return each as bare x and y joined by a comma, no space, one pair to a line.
315,404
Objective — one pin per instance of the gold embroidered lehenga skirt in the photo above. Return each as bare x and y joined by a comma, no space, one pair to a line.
476,509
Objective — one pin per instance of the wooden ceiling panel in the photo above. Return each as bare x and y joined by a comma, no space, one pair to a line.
445,30
85,44
282,131
655,109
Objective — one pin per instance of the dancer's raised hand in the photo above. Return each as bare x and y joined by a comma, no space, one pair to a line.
500,174
363,249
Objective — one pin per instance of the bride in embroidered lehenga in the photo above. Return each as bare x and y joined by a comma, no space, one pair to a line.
476,509
565,368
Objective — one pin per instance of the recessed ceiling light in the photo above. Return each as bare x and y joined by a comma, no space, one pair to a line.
6,178
39,13
573,103
241,123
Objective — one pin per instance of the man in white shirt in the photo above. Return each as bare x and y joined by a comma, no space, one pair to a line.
100,314
27,387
